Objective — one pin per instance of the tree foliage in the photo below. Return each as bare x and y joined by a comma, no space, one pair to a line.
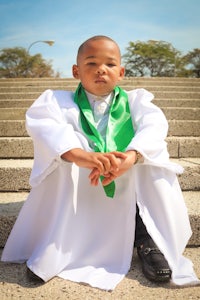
16,62
192,62
159,58
151,58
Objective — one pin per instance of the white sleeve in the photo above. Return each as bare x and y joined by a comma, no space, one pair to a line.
151,129
50,132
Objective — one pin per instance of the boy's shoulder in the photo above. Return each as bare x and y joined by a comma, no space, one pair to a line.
62,97
138,92
57,93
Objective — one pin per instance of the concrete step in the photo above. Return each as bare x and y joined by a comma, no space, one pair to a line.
13,96
22,147
71,85
177,113
158,82
192,103
16,147
15,285
11,203
12,128
165,81
183,147
180,113
13,113
158,94
176,128
190,179
15,173
19,103
41,82
183,127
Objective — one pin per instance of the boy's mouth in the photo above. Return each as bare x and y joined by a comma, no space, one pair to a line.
100,80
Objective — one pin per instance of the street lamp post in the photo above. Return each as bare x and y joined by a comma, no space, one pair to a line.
50,43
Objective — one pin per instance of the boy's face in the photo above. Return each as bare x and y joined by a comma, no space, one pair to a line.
98,67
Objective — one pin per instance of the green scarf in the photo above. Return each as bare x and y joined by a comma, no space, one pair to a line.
120,129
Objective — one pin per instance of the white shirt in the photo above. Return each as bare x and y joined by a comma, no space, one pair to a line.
100,106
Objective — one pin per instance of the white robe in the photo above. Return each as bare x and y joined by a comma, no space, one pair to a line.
69,228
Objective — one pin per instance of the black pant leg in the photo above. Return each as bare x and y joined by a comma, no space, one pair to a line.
141,233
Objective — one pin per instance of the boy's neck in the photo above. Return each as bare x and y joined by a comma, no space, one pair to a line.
97,98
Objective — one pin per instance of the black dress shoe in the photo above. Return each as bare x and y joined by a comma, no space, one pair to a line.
154,265
33,277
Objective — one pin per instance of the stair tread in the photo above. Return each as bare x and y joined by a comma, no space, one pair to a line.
20,163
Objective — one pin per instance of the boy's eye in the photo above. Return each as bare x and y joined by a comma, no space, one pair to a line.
111,65
91,63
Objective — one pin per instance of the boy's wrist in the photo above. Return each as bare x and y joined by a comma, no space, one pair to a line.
139,157
136,156
71,155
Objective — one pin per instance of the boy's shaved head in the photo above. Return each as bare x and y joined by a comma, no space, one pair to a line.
98,65
95,38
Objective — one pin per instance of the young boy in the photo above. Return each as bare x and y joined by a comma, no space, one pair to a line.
99,155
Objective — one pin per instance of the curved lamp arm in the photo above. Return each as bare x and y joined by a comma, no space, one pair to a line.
50,43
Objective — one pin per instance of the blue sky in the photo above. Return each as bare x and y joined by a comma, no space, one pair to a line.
69,23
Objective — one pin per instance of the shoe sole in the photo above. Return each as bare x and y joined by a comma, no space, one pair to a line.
156,278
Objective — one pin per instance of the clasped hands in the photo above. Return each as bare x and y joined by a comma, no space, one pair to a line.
110,165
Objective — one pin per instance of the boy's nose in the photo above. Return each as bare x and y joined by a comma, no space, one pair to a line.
100,70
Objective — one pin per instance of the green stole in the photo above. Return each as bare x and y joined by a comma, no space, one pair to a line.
119,131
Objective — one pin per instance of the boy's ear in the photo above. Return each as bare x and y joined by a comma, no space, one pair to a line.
121,73
75,71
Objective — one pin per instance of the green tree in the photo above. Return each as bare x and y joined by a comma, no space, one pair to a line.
16,62
192,63
152,58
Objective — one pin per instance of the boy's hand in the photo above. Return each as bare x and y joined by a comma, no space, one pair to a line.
103,162
124,163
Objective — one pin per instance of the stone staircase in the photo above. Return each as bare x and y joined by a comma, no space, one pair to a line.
179,98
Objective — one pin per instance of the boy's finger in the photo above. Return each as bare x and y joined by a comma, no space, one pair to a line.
108,180
114,162
95,172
